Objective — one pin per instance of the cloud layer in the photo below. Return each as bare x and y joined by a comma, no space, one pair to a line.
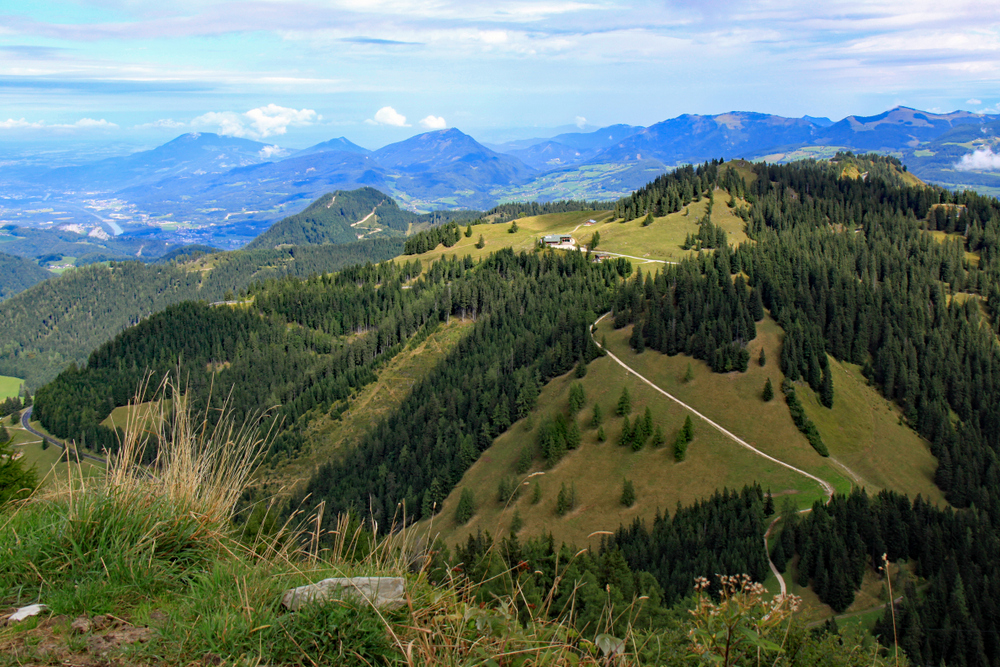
257,123
503,63
983,159
82,124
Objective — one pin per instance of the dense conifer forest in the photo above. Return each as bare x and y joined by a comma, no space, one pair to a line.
18,274
841,254
60,320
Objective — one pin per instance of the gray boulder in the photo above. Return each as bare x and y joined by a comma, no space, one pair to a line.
378,591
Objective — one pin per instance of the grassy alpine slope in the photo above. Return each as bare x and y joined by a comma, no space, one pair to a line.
150,569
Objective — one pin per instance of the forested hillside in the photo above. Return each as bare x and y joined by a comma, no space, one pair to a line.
850,258
18,274
345,216
59,321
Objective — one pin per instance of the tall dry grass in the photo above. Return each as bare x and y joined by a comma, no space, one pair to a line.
201,465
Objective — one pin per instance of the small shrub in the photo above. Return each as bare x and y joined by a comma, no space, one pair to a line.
689,374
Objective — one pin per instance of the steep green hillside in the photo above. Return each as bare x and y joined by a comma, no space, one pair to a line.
346,216
59,321
18,274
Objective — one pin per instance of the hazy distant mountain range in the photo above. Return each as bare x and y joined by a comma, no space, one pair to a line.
205,188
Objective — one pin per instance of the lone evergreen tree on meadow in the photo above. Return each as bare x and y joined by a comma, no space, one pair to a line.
768,392
628,493
468,231
762,359
481,243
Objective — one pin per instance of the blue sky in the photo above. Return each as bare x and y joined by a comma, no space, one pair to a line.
296,72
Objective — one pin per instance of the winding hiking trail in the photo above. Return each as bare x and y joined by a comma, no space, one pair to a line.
828,489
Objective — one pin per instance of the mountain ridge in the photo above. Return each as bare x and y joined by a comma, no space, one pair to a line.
229,190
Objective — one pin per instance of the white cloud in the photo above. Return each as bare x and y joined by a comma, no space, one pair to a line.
162,123
267,152
581,122
434,123
388,116
273,119
224,122
91,123
82,124
11,124
257,123
983,159
974,101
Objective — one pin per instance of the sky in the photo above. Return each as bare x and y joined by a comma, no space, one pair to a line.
297,72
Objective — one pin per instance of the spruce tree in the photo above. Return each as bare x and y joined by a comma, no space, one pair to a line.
524,460
516,522
768,392
566,499
601,437
598,417
637,341
628,493
762,359
466,507
624,403
689,374
826,388
481,243
576,398
658,437
680,447
688,429
572,435
626,436
468,231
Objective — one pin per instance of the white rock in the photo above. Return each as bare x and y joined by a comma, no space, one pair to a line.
378,591
26,612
